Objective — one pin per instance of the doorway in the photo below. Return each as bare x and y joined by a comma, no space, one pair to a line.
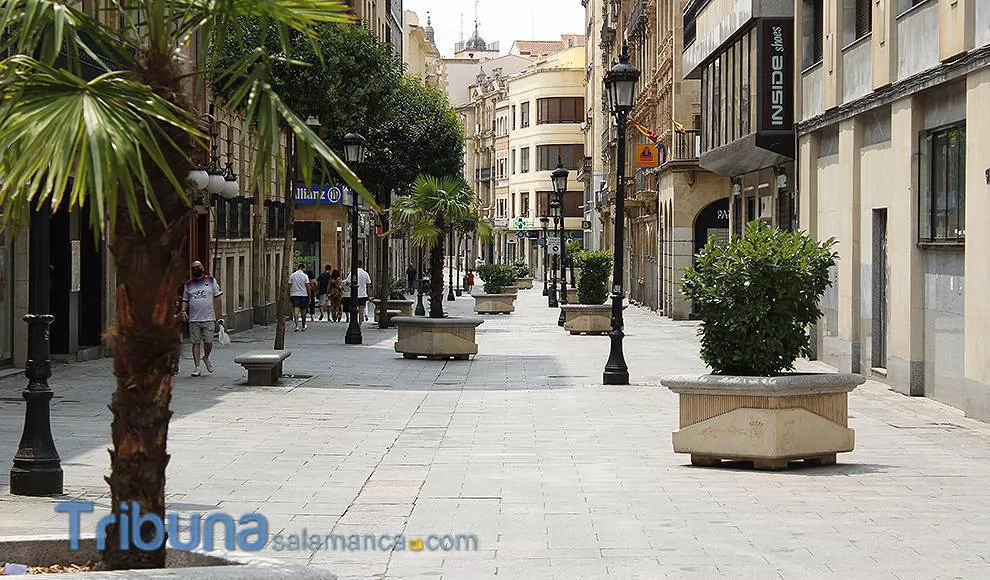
880,306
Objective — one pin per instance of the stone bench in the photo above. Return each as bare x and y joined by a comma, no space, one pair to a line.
264,367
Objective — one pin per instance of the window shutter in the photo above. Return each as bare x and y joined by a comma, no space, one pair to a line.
864,18
819,38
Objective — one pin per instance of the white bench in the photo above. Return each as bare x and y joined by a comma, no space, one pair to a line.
264,367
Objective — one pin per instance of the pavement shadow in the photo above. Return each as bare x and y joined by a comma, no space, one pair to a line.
802,469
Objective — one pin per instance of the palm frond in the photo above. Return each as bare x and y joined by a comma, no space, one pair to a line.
89,139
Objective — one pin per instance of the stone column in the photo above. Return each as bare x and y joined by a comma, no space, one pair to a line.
850,145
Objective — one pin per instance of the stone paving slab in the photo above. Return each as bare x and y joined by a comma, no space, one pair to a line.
556,475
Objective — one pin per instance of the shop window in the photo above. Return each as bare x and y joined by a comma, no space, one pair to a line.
813,25
943,186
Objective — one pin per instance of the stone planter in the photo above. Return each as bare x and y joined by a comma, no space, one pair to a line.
394,307
494,303
767,420
510,290
572,297
436,338
587,318
524,283
193,565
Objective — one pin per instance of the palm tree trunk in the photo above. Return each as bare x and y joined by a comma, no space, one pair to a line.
436,274
150,264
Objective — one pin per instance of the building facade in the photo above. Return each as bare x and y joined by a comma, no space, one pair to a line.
419,49
893,135
383,18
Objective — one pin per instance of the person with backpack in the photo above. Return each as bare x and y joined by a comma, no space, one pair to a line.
322,289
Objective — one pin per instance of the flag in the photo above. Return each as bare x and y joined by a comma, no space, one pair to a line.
651,135
679,128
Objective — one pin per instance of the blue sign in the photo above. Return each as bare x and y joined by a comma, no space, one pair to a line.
320,194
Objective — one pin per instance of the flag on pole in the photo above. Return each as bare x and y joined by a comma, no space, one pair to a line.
679,128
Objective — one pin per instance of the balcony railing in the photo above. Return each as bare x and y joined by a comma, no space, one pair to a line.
636,17
686,146
609,136
483,174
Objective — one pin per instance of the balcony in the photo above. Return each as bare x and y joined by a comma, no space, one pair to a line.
637,18
483,174
608,32
686,146
585,169
609,136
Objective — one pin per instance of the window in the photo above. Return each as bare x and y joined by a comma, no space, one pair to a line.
500,168
524,115
857,20
812,41
513,117
905,5
560,110
245,218
570,156
524,160
943,186
234,218
500,207
525,204
512,162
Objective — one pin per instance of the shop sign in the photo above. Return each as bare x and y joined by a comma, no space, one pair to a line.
320,194
775,98
647,155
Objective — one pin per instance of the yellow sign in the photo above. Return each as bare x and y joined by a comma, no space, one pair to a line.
647,155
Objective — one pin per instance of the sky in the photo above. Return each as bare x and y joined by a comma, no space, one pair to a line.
501,21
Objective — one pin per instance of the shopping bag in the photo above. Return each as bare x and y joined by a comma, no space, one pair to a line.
222,337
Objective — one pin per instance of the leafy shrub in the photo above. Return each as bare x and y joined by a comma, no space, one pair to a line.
756,295
497,277
397,289
596,267
521,269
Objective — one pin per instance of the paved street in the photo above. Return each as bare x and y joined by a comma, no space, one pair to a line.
556,475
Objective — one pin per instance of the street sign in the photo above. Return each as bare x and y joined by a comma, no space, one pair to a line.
553,245
541,242
520,234
533,234
647,155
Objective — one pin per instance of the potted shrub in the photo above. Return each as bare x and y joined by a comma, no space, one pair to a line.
495,300
756,295
524,278
428,213
397,303
590,315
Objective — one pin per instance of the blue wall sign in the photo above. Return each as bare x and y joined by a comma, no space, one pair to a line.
321,195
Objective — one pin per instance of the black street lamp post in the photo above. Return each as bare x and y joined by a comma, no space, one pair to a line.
458,287
544,220
554,256
37,468
450,262
354,154
620,86
559,178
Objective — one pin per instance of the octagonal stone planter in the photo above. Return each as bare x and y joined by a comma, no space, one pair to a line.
436,338
525,283
510,290
587,318
494,303
179,565
767,420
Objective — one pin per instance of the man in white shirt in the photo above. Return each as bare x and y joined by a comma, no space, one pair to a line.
201,306
299,295
363,290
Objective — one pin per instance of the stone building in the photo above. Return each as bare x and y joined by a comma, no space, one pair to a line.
894,137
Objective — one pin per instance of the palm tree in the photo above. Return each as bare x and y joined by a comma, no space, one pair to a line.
123,143
433,206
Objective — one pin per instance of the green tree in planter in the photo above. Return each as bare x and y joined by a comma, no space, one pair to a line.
521,269
756,295
497,277
596,267
429,211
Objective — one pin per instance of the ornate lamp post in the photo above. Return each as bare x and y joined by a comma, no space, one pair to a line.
555,256
620,86
450,262
354,154
37,467
544,221
559,178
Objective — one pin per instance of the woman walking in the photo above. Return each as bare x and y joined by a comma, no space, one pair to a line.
336,296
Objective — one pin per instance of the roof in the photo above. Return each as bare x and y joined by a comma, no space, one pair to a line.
537,47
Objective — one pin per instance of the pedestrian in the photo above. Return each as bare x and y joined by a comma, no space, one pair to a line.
299,296
311,289
200,305
179,324
336,295
478,261
363,290
322,287
411,278
470,280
